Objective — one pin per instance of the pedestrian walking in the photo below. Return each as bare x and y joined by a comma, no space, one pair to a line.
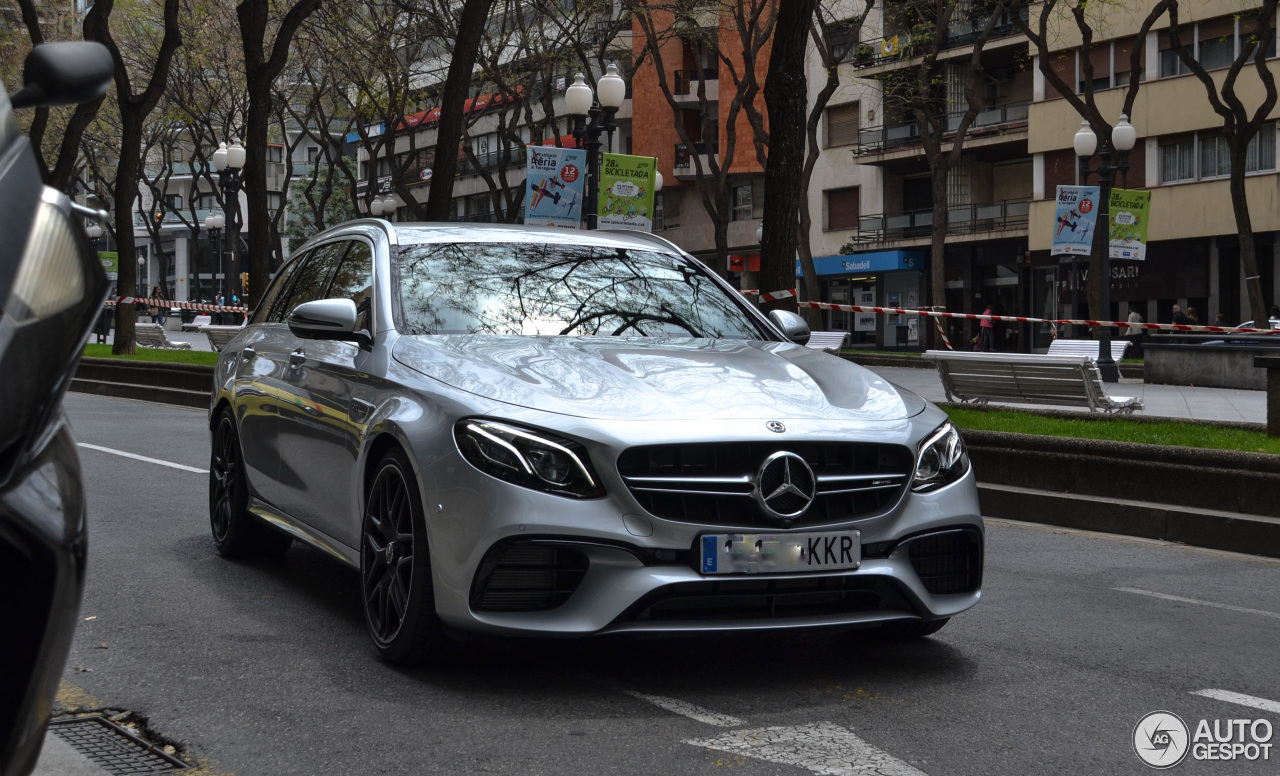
157,309
217,314
1135,334
986,332
1180,319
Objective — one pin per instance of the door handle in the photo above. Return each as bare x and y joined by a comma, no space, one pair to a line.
297,357
247,354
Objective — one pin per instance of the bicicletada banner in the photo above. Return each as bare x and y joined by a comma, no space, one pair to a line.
555,179
1130,210
1077,215
626,192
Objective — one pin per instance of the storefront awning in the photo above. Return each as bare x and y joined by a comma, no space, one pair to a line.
861,263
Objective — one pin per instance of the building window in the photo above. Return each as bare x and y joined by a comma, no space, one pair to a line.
666,210
842,208
1215,158
1260,156
313,153
1214,43
1178,159
747,201
275,153
842,125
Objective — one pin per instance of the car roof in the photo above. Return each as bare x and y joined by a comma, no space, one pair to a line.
424,233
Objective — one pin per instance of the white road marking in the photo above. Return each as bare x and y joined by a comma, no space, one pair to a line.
144,458
688,710
1180,599
1241,700
821,747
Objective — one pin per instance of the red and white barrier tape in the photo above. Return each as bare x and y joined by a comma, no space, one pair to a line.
941,333
168,305
853,308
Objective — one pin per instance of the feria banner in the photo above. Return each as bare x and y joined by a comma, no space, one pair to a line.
1077,215
1130,211
626,192
555,177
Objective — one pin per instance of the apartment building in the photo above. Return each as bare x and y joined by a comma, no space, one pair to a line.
1193,252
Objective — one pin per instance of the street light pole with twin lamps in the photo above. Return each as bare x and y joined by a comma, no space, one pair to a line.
600,106
228,161
1122,140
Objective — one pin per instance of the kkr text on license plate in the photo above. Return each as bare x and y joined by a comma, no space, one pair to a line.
771,553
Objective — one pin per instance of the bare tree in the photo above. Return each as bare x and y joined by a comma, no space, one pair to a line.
133,109
1239,125
1079,12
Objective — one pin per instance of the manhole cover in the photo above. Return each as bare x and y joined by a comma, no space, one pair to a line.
113,748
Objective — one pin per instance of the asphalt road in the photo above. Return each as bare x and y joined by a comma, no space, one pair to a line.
264,667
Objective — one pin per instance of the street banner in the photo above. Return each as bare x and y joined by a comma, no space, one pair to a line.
1130,212
1076,216
626,192
110,263
555,179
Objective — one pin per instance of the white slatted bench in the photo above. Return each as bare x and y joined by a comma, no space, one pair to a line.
1017,378
830,341
1081,347
219,336
197,322
150,335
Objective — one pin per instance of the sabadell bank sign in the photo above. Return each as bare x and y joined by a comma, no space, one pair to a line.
879,261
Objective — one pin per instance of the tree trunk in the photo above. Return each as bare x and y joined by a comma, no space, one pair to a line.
938,244
786,98
1248,245
126,191
471,26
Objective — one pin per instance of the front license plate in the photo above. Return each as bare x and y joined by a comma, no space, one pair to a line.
772,553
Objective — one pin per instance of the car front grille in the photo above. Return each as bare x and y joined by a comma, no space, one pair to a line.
527,577
948,561
755,599
714,483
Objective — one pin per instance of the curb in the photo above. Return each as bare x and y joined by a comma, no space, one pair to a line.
186,385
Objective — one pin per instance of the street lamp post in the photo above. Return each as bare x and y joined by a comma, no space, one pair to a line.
600,107
228,161
213,225
1122,140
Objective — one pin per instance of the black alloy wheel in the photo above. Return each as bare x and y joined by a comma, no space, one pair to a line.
236,532
395,568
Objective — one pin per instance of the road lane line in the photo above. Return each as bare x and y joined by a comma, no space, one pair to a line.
821,747
1242,700
143,458
1180,599
684,709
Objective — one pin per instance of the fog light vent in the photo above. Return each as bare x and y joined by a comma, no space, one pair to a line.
527,577
948,561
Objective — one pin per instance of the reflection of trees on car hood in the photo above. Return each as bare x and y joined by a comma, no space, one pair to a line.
524,288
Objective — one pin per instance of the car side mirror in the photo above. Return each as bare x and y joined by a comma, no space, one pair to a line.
326,319
65,73
793,327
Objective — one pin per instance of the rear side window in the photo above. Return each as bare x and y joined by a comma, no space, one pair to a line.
354,281
312,278
274,291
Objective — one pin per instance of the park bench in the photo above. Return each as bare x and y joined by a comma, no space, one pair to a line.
1018,378
151,335
219,336
197,322
1084,347
830,341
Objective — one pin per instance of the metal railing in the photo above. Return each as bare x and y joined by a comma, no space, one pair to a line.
961,32
684,79
875,140
974,218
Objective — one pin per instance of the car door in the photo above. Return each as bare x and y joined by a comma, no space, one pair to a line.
320,433
258,373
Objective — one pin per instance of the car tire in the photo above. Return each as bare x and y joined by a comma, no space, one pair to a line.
918,629
396,590
237,533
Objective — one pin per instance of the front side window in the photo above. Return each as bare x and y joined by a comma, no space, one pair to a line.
550,289
312,279
354,281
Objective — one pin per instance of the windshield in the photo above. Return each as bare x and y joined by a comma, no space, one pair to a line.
558,289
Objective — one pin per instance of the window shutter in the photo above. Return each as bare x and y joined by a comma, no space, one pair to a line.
842,125
842,208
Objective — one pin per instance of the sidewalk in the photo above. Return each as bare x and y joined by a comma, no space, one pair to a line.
1166,401
197,340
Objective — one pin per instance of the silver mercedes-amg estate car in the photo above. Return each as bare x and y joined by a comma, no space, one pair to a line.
548,432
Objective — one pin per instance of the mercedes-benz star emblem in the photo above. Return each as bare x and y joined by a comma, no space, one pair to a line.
784,486
775,427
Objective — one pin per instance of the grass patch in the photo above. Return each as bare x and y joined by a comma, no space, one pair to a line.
206,357
1169,433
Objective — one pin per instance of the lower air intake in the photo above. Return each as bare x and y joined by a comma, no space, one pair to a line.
527,577
948,561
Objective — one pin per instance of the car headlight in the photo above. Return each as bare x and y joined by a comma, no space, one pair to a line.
531,459
942,460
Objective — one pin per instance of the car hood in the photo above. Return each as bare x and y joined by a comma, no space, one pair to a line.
647,378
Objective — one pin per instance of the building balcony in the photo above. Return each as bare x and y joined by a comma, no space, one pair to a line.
979,218
993,122
687,84
960,33
684,165
515,160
